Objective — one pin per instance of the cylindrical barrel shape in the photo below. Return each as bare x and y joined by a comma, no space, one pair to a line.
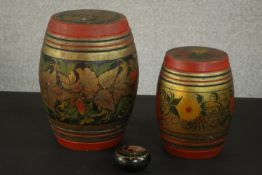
88,77
195,99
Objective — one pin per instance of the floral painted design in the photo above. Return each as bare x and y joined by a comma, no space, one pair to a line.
79,92
188,108
193,111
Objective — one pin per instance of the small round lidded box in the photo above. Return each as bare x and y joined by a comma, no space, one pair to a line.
195,99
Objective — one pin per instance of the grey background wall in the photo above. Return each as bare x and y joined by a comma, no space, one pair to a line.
158,25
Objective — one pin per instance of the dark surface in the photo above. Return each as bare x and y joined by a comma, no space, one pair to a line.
28,146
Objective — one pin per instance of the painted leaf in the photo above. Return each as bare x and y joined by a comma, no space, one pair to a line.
46,63
199,98
47,79
53,94
64,67
87,120
120,90
107,79
174,110
86,76
71,113
89,81
90,110
49,101
64,81
72,77
214,96
104,100
121,78
59,94
100,68
69,82
165,107
176,101
123,106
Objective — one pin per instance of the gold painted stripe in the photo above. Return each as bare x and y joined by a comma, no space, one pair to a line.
196,85
86,139
75,48
89,39
196,148
85,56
87,135
87,129
193,136
209,89
129,38
180,80
200,75
87,132
194,78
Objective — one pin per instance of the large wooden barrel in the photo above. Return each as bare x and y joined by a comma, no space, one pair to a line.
195,101
88,77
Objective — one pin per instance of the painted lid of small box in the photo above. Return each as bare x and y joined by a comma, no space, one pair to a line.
132,157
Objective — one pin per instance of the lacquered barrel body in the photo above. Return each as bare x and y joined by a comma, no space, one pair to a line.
88,77
195,99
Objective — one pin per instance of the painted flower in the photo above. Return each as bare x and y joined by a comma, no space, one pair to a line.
188,108
133,77
80,106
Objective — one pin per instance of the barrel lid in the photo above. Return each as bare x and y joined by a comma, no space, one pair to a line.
87,23
196,59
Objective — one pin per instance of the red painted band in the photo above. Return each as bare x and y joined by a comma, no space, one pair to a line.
87,30
96,146
191,154
195,67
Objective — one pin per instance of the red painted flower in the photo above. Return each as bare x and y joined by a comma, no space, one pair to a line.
80,106
133,76
232,104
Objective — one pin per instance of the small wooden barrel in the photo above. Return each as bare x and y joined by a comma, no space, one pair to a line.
195,99
88,77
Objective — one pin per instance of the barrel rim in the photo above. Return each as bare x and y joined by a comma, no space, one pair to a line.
87,30
207,60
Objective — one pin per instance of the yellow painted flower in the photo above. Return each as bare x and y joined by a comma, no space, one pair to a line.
188,108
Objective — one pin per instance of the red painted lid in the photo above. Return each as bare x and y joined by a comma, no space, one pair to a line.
196,59
87,24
